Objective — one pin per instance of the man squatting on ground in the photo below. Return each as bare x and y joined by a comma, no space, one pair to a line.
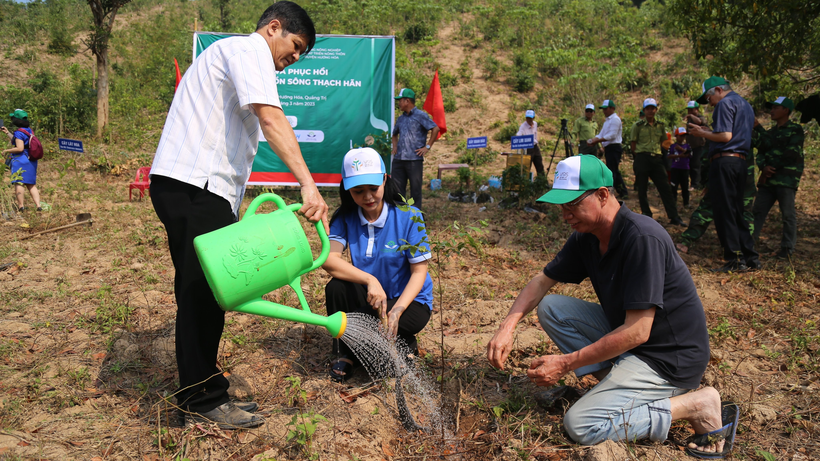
198,178
646,341
730,144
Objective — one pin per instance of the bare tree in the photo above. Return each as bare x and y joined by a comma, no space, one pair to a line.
104,12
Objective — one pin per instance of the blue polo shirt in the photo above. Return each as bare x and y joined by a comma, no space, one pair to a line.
374,248
734,115
412,129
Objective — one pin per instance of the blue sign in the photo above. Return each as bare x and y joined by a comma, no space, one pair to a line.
477,143
71,144
523,142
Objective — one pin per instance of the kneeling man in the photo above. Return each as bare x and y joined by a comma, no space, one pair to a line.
646,342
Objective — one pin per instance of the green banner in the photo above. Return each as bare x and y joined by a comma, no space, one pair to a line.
334,97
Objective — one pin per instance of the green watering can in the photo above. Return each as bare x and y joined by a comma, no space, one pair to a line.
259,254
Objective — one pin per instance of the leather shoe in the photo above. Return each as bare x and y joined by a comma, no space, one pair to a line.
250,407
783,255
226,416
677,222
754,265
732,266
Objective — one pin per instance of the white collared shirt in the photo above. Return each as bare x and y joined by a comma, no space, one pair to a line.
611,131
525,129
212,132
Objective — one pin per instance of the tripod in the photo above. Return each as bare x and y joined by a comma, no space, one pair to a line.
565,136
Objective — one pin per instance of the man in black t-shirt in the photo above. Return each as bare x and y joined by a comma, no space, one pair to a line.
730,144
646,342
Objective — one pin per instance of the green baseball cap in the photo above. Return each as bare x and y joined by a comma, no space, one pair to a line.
710,83
782,101
576,175
19,113
607,103
692,105
406,93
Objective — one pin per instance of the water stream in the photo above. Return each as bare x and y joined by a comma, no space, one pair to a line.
385,360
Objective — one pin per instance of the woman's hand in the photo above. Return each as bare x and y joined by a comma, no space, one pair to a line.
5,130
376,297
393,320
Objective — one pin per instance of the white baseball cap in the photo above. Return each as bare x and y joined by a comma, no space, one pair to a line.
362,166
530,114
692,105
649,102
680,131
590,106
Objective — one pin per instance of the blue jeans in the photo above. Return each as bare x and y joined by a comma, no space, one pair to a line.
630,403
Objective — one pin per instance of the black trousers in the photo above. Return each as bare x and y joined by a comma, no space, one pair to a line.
352,297
412,170
612,154
680,178
646,167
727,182
537,160
187,211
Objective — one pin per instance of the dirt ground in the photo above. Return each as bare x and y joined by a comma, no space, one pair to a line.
87,362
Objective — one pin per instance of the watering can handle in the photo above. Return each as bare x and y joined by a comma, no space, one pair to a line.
280,204
320,229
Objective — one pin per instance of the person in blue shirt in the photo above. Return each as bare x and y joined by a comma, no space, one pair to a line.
410,144
730,141
19,161
380,280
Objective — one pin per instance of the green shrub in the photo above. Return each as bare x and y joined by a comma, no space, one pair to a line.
417,32
465,73
491,67
505,133
449,100
482,156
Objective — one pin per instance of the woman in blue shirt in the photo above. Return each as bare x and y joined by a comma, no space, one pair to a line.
380,280
18,161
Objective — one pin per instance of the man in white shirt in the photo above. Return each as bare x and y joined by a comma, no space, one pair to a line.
530,126
610,137
198,178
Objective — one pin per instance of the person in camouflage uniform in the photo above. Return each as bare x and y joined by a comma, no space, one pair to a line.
703,214
780,160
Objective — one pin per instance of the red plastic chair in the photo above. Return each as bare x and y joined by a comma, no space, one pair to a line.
141,182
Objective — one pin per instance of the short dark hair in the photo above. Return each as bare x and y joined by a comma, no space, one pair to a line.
20,122
392,196
294,19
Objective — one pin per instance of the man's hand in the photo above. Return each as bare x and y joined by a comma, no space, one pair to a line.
548,370
499,347
769,171
696,130
394,149
422,151
313,205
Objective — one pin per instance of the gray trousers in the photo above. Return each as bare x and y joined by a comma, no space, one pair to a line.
766,196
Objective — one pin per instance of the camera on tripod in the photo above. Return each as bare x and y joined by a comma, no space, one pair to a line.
563,124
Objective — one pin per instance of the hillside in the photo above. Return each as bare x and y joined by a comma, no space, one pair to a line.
87,365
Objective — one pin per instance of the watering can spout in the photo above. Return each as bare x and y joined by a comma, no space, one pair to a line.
335,324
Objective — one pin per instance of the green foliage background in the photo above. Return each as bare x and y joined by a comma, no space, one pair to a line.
555,55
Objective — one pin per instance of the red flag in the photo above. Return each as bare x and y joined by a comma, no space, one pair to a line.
434,105
179,76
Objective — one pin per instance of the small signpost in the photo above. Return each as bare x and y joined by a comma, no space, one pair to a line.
70,144
477,143
522,142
